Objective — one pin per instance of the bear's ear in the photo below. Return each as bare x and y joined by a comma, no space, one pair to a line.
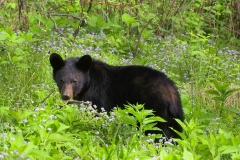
84,63
56,61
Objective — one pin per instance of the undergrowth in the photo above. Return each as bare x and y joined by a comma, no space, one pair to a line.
202,57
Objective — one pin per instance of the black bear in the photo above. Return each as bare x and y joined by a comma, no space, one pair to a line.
108,86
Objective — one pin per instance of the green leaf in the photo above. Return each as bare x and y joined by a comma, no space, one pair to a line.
10,119
22,65
151,126
19,40
62,116
40,154
130,120
219,86
147,33
93,21
228,149
214,92
181,134
29,147
61,126
147,121
221,99
225,87
146,113
207,116
137,106
125,117
197,53
4,36
128,19
183,125
35,30
16,115
187,155
11,5
234,110
230,91
56,137
155,118
40,18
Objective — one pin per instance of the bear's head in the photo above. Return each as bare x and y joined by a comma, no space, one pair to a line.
71,75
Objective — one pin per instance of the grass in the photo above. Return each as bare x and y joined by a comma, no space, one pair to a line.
35,124
195,43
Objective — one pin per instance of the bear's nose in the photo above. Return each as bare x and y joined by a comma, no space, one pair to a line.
67,92
65,97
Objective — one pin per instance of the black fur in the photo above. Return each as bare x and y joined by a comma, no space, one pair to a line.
111,86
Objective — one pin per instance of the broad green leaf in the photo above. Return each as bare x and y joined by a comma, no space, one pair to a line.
125,118
136,24
207,116
197,53
14,114
228,149
93,21
4,36
133,112
40,154
225,87
217,157
151,126
10,119
182,124
128,19
187,155
56,137
40,18
60,126
181,134
218,85
35,30
62,116
11,5
42,133
235,139
147,33
130,120
27,113
234,110
214,92
29,147
146,113
22,65
19,40
221,99
155,118
230,91
138,106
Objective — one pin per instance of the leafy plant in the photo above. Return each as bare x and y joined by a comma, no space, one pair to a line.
221,93
190,42
140,118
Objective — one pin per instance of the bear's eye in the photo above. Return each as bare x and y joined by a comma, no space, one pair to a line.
74,81
62,81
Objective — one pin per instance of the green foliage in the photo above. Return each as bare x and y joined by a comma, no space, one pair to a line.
193,42
141,118
221,93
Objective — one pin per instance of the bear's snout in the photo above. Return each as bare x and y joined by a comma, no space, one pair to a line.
66,97
67,92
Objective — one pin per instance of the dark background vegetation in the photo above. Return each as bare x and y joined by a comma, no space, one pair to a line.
195,42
